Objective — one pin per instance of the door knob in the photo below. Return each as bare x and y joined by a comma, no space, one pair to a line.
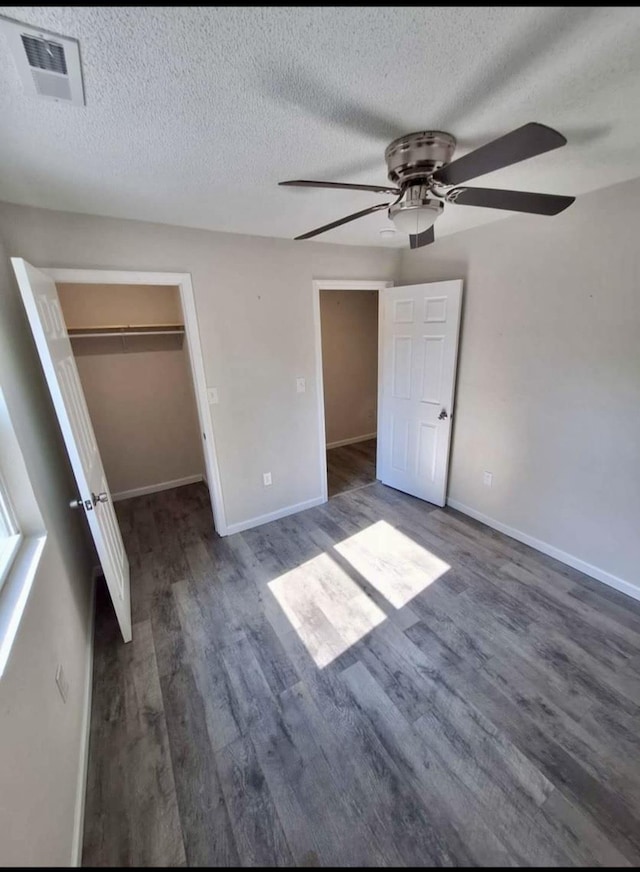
79,504
442,415
100,498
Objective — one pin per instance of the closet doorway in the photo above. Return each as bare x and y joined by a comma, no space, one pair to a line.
143,325
109,314
129,346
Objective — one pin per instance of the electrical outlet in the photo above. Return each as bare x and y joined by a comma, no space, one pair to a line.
266,478
301,385
212,394
487,479
63,684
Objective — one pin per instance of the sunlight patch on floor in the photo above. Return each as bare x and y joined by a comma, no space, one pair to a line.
327,608
392,562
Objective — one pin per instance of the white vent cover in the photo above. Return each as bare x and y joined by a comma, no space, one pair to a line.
48,65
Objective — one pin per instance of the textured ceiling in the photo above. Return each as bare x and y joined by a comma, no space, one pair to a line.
194,114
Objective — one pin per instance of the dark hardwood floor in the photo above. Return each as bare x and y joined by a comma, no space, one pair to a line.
351,466
371,682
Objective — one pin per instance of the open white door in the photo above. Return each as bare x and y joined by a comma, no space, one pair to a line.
419,350
40,298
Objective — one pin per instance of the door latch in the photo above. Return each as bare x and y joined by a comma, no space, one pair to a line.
442,415
79,503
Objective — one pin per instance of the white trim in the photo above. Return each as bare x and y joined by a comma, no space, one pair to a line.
196,359
381,304
113,276
192,334
155,488
352,440
15,592
351,285
83,766
335,285
9,546
322,437
274,516
632,590
20,553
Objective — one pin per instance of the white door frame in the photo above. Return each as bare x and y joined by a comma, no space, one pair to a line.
339,285
192,334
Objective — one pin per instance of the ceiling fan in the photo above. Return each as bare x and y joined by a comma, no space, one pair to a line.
424,178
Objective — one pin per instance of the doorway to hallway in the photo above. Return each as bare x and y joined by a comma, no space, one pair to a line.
349,344
351,466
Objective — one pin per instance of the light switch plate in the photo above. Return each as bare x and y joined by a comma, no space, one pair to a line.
487,479
266,478
301,385
212,394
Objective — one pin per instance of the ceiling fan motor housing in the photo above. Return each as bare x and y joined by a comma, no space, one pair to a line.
417,155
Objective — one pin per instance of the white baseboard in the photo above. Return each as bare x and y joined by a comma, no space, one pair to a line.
602,575
83,765
155,488
352,440
273,516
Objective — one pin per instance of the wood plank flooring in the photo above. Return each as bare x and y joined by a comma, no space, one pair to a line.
351,466
372,682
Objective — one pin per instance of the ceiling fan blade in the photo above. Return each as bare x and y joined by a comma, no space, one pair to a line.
420,239
516,201
527,141
343,221
305,183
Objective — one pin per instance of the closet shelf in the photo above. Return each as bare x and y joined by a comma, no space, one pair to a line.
126,330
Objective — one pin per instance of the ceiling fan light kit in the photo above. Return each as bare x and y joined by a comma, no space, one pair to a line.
416,212
420,166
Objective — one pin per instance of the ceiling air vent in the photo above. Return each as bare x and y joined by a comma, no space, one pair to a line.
48,64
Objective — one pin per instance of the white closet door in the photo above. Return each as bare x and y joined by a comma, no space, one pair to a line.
40,298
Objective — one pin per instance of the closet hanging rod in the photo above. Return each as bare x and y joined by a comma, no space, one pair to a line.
90,334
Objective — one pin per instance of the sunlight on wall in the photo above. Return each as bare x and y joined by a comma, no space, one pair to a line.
330,609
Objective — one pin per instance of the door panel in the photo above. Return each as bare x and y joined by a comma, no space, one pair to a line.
427,452
419,338
402,352
432,360
399,444
40,298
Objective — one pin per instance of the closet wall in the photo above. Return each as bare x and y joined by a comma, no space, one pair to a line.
139,390
349,327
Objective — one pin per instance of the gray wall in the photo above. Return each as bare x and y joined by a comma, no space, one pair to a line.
255,313
40,736
548,394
